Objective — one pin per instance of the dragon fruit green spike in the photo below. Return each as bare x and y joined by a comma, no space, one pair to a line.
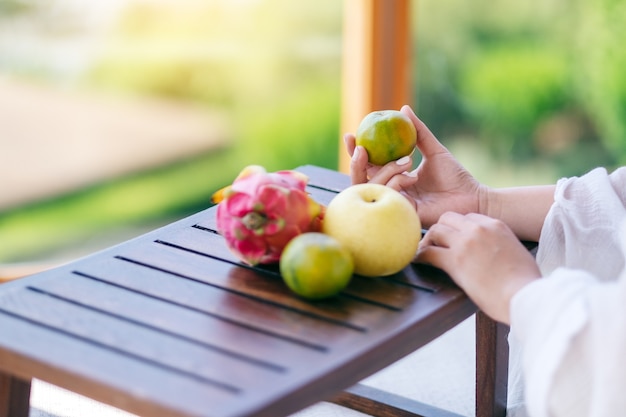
260,212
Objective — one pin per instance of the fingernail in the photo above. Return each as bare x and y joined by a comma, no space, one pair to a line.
355,154
404,160
411,174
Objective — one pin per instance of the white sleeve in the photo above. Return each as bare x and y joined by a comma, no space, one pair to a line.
572,323
581,228
573,333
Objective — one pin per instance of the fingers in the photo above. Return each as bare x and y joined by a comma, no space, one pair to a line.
446,232
427,143
461,230
358,165
455,220
396,174
358,160
350,141
439,234
432,255
474,225
434,248
404,181
361,171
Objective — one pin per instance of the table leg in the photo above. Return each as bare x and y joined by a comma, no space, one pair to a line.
492,362
378,403
14,396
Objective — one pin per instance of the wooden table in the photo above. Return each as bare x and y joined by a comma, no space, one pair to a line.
171,324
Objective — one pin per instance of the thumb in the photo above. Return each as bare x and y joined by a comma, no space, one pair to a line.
358,165
427,143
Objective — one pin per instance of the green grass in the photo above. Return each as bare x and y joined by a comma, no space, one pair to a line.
168,192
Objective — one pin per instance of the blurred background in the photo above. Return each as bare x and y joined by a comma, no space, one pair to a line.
117,117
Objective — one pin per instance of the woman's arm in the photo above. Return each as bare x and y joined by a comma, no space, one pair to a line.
523,209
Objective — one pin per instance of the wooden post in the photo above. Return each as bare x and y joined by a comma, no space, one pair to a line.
376,69
492,366
14,396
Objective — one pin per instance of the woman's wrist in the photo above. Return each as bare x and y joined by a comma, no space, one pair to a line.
523,209
486,200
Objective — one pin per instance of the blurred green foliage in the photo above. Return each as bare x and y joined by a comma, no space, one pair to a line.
527,80
507,89
539,86
16,7
274,65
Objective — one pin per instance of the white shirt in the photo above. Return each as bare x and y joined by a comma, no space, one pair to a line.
571,325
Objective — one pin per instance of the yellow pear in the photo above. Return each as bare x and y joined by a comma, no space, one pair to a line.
377,225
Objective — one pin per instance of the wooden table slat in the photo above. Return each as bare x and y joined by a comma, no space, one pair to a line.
383,292
203,329
142,343
104,374
243,311
208,330
270,289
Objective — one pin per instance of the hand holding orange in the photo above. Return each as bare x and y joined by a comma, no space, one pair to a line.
387,135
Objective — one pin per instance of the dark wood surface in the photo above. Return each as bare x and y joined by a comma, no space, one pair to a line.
172,324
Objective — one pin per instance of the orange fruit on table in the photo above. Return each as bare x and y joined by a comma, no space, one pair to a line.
387,135
315,265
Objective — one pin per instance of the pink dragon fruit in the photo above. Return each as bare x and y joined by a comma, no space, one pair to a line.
261,212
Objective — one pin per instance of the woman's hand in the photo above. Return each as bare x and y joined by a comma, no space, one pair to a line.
483,256
439,184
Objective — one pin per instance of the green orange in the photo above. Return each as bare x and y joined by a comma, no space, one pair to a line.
315,265
387,135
